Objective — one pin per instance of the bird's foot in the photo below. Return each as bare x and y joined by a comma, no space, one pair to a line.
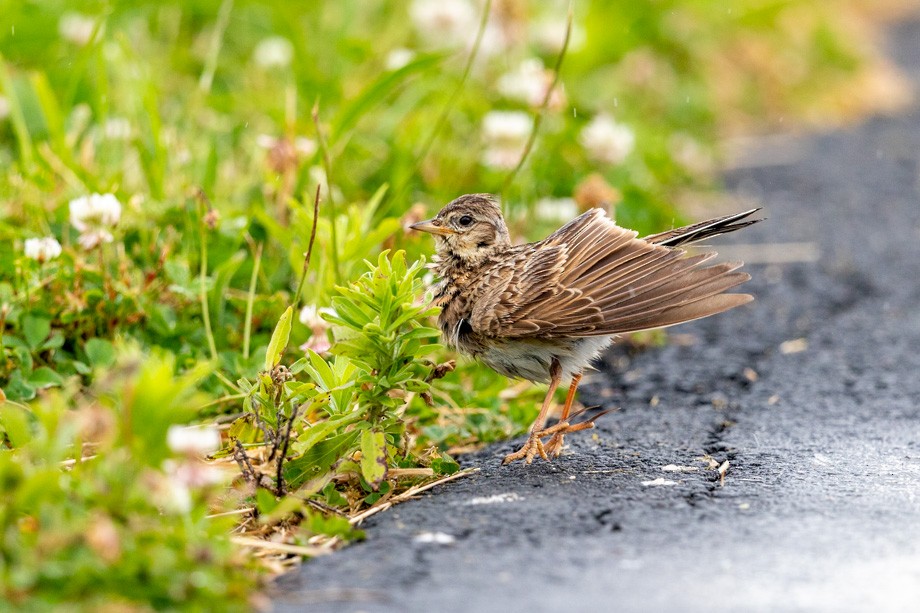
554,447
528,452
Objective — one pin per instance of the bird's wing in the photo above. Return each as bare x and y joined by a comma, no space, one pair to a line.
593,278
703,230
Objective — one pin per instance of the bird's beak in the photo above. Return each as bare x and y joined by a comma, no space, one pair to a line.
432,226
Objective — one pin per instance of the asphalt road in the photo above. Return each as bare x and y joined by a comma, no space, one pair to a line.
811,394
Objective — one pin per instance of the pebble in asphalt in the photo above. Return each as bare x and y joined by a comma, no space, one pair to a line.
811,394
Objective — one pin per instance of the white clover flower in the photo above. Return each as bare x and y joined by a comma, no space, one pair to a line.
274,52
607,141
194,474
42,249
494,41
309,316
104,209
174,496
93,216
4,108
76,28
305,147
505,134
397,58
117,128
556,209
318,343
529,83
444,23
549,36
193,441
266,141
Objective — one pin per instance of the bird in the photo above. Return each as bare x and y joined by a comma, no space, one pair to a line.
544,311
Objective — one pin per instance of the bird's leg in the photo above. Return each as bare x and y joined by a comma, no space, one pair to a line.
554,446
534,445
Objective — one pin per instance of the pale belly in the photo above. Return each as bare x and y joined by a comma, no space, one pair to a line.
531,358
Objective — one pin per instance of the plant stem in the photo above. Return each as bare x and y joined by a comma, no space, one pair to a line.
210,65
202,292
543,106
250,299
309,254
333,214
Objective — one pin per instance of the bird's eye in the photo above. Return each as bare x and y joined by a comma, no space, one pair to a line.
465,220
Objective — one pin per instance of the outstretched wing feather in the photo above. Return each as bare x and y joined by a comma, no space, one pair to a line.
593,278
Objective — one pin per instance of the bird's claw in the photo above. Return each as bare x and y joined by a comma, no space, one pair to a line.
528,452
553,448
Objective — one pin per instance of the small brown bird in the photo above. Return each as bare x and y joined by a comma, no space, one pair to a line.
544,311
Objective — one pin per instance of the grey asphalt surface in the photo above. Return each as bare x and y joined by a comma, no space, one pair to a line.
819,509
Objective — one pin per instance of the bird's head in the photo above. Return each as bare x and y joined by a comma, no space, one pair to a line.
469,228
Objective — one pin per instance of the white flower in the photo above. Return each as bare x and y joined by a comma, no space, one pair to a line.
194,474
444,23
4,108
42,249
309,316
494,41
101,209
506,134
76,28
397,58
556,209
528,84
174,496
93,216
549,36
93,238
193,441
318,343
607,141
117,128
305,147
274,52
266,141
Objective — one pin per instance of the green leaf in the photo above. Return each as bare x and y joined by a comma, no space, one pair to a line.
318,460
14,420
43,377
279,341
243,430
18,388
378,91
444,465
373,457
55,341
316,433
265,501
333,497
35,330
100,352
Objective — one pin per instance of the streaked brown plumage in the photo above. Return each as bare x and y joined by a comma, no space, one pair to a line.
543,311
